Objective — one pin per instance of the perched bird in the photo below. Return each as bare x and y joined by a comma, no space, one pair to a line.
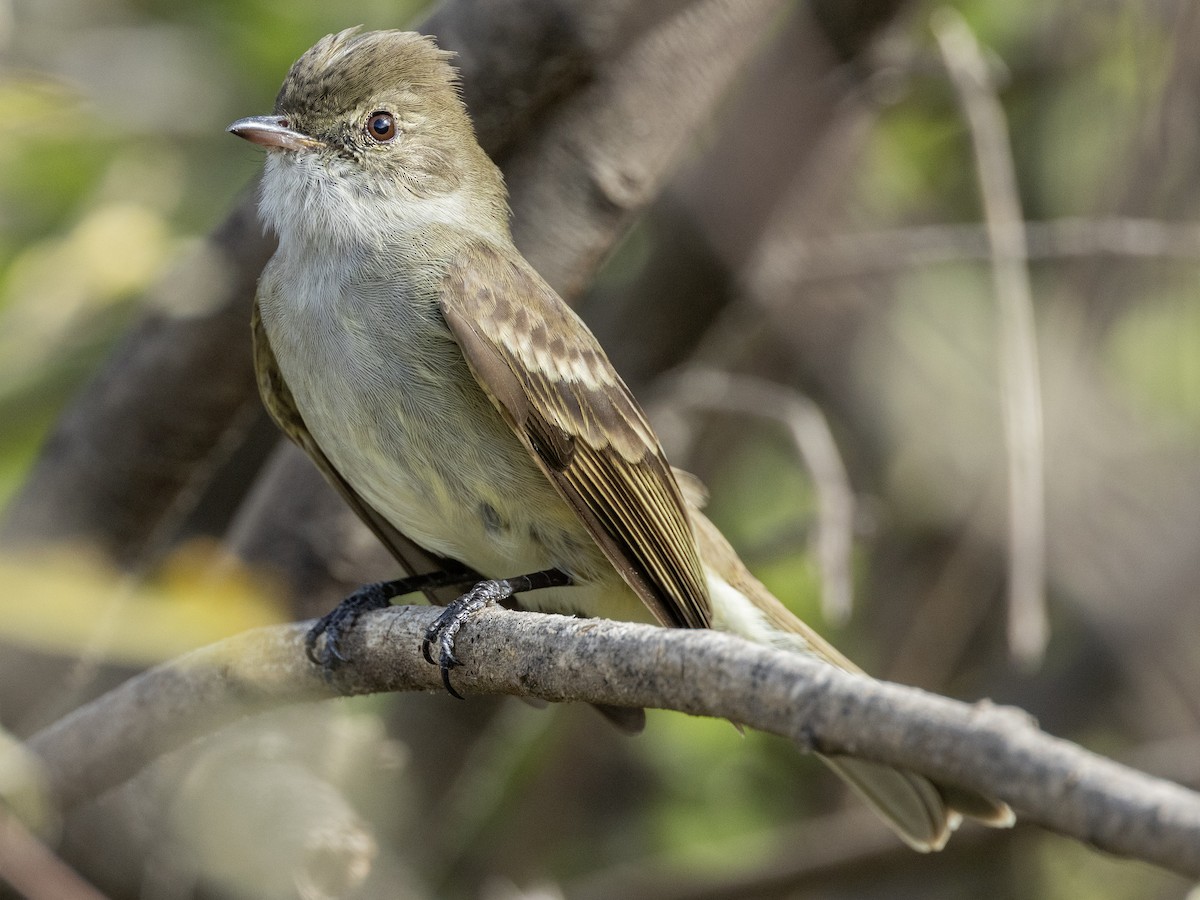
461,408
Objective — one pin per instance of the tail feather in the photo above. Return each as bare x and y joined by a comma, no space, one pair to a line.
922,813
911,804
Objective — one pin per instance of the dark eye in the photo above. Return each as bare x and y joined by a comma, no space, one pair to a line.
381,126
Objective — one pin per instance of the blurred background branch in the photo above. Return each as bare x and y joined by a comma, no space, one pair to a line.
1020,378
31,868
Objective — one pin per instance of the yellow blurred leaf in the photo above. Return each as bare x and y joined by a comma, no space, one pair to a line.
66,602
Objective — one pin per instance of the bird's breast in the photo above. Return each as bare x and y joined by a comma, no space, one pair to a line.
389,398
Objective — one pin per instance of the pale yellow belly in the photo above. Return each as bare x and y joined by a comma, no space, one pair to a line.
443,467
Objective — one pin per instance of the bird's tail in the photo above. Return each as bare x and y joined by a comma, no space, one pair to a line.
921,812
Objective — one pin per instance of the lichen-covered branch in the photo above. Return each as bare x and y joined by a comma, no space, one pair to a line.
994,750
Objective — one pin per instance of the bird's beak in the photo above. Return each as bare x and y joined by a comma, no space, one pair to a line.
272,132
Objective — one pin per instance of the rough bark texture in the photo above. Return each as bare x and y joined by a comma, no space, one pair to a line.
995,750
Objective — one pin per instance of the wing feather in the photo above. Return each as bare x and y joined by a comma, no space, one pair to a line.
554,385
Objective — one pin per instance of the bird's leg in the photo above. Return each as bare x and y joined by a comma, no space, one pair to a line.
336,623
486,593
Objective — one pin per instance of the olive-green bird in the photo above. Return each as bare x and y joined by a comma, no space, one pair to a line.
461,408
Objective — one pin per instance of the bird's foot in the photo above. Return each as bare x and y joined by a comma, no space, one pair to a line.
446,626
339,621
336,623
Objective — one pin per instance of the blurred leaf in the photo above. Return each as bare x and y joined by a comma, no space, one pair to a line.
63,602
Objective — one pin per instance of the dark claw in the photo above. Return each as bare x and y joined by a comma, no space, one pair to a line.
449,687
484,594
326,626
310,642
446,626
446,662
332,626
339,621
436,631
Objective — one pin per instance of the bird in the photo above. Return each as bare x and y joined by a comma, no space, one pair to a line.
463,410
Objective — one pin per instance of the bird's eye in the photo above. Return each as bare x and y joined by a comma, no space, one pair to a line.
381,126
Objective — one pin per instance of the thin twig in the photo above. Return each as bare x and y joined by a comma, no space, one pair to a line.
578,184
795,260
701,388
29,867
1028,627
993,750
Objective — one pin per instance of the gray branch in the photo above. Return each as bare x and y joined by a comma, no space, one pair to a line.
991,749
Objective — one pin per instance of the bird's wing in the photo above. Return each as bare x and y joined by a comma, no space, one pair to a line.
277,398
548,376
